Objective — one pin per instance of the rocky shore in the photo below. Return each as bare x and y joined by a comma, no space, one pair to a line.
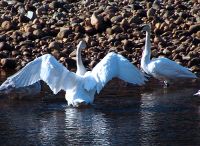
31,28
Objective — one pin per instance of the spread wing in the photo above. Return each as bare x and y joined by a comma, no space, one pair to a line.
115,65
45,68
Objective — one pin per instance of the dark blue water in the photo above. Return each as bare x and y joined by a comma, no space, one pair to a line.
121,115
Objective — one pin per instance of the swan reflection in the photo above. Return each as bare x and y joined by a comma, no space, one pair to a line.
87,126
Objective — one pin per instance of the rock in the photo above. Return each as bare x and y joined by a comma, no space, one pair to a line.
151,12
89,30
127,45
117,29
8,63
97,21
124,24
166,52
27,43
109,31
7,25
31,15
194,28
41,10
116,19
5,46
64,33
79,29
135,19
56,54
23,19
54,45
38,33
194,61
55,5
195,68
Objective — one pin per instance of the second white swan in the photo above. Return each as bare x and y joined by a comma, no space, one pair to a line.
162,68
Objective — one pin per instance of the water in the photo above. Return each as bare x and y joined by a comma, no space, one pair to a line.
149,115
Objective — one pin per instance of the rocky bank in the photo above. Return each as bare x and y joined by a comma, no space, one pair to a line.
31,28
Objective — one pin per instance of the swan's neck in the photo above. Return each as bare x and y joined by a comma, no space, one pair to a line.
80,67
147,51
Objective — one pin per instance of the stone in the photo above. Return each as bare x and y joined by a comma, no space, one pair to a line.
5,46
54,45
64,33
8,63
7,25
194,28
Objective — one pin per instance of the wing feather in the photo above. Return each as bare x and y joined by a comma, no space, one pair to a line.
115,65
170,69
45,68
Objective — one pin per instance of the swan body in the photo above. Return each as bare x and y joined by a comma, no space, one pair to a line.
81,86
162,68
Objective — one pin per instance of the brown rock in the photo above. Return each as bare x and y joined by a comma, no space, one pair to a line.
194,28
135,19
116,29
5,46
54,45
8,63
124,24
64,33
7,25
116,19
89,30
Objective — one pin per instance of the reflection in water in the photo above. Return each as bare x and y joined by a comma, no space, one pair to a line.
90,126
48,130
147,115
168,116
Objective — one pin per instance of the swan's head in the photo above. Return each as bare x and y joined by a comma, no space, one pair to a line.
146,27
82,44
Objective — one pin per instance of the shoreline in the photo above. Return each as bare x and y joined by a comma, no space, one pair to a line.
30,29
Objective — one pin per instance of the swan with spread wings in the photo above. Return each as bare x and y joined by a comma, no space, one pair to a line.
80,87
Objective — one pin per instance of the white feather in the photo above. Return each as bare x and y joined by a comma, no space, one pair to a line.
80,87
162,68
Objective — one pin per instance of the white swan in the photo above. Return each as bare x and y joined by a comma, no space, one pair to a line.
80,87
162,68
